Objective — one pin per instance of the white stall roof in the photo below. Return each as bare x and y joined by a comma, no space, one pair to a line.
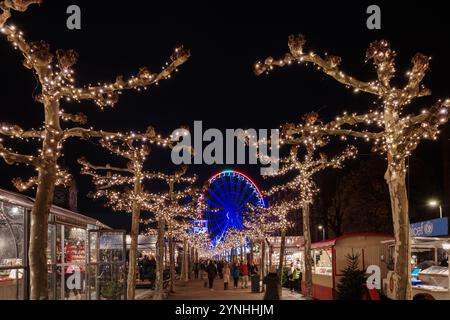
27,202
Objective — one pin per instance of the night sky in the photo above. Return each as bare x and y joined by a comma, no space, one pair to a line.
217,85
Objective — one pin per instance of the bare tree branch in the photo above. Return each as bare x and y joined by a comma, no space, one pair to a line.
76,118
14,5
17,132
12,157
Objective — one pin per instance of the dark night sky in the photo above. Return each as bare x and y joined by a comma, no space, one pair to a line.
217,84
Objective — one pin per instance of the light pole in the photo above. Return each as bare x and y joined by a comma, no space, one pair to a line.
434,204
320,227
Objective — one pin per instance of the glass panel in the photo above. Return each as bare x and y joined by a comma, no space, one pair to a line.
74,245
106,277
11,235
59,244
51,260
93,247
324,261
74,266
111,247
51,281
50,252
11,284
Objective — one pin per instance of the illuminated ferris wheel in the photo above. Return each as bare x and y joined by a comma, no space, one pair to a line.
226,198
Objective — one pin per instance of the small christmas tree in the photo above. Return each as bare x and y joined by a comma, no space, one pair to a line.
351,285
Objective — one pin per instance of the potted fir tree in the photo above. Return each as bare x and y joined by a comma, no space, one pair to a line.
112,291
351,286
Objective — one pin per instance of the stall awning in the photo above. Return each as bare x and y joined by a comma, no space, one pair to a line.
28,202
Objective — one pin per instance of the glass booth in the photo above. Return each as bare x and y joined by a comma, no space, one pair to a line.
106,268
69,234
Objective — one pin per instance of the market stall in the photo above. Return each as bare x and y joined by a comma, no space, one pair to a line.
329,259
66,249
429,265
291,253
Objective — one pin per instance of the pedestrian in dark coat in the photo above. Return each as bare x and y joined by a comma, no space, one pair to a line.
235,274
211,270
272,282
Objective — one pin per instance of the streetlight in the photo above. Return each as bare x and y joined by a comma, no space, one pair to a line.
434,204
320,227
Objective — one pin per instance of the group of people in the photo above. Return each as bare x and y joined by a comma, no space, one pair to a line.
238,272
147,268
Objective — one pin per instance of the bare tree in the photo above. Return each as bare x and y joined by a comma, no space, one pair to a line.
392,132
166,210
304,184
124,186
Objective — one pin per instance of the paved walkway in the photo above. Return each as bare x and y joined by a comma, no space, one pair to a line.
195,290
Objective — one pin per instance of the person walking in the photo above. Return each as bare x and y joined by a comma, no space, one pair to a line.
152,270
202,269
196,269
272,282
211,270
220,269
296,276
291,277
253,269
243,270
226,276
235,274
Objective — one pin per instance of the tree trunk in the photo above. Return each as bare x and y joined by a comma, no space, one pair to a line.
184,265
281,261
189,262
308,258
39,233
270,255
172,264
263,261
251,251
135,218
400,216
37,254
159,285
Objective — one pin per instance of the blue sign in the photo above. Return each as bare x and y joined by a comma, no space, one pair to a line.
430,228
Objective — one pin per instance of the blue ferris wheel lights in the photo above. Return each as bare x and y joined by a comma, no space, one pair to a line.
226,199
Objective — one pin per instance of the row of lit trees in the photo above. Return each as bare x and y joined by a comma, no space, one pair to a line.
393,132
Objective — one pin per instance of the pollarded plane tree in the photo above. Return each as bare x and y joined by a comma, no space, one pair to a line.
178,229
280,211
233,239
179,220
303,182
202,242
393,131
259,225
123,187
179,224
166,206
55,77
